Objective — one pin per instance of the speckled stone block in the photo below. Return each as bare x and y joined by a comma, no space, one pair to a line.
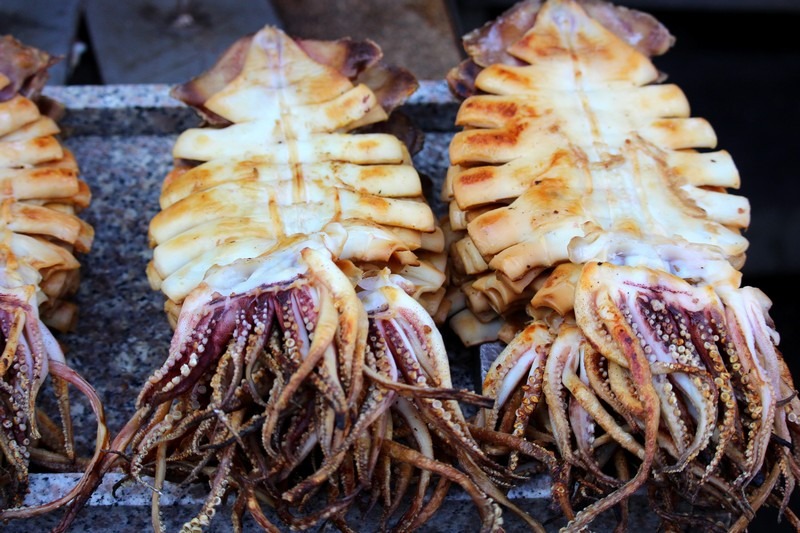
128,110
122,137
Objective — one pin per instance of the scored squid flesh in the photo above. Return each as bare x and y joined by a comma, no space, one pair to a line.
592,232
41,195
302,270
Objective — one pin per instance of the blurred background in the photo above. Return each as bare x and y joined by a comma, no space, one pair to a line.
738,61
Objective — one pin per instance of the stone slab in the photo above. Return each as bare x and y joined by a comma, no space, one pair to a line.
148,109
125,508
122,137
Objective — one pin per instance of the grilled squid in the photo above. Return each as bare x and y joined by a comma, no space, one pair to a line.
302,268
594,234
41,195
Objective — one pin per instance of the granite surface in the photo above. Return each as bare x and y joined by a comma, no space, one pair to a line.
126,509
148,109
122,138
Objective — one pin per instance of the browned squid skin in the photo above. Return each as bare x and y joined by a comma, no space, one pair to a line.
358,60
643,362
24,66
489,43
38,272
